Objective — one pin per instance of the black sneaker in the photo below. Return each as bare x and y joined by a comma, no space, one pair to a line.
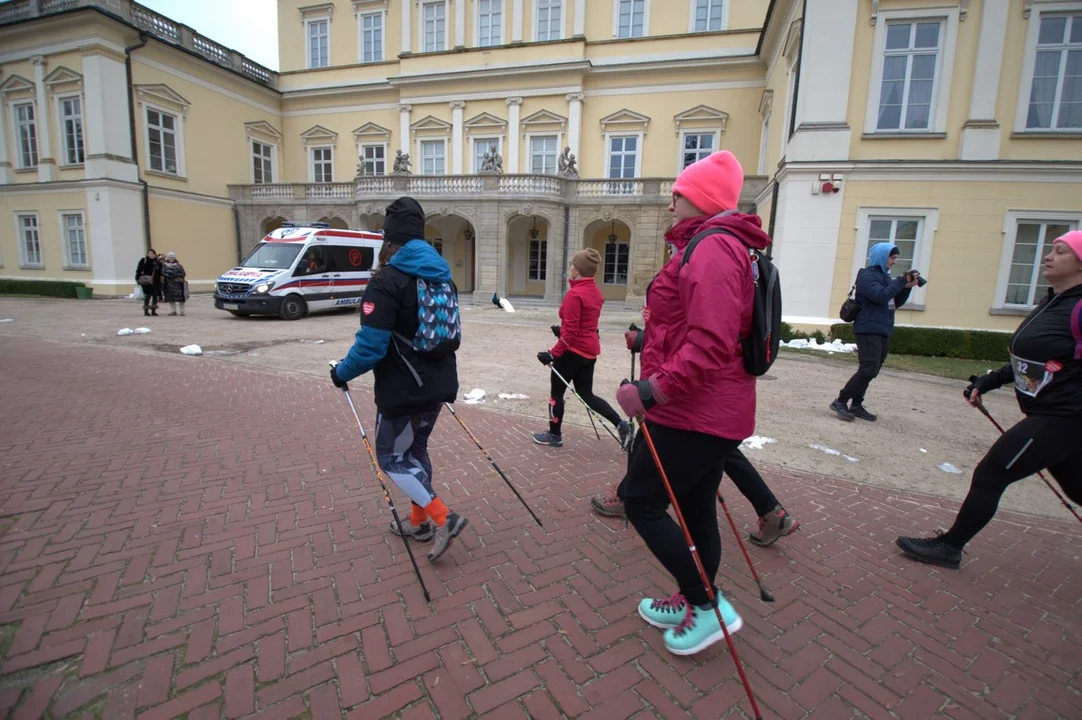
934,551
843,412
624,429
548,439
860,412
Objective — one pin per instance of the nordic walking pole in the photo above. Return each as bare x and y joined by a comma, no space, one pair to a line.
386,492
493,463
631,435
980,406
764,594
589,410
702,572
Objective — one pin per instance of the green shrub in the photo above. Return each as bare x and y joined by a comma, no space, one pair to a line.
786,332
819,337
937,342
45,288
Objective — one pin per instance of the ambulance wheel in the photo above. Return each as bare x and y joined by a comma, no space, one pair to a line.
292,307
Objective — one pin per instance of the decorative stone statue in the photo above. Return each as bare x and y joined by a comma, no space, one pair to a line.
492,162
401,163
567,166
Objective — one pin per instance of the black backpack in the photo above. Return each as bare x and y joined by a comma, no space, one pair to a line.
760,348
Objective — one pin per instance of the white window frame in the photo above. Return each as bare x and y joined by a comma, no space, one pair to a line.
529,149
312,162
1011,219
680,149
62,130
615,273
941,97
542,260
308,22
12,111
382,14
178,130
446,24
616,20
61,218
537,22
1029,62
420,164
477,24
613,187
361,147
24,259
922,254
487,140
273,160
764,145
724,15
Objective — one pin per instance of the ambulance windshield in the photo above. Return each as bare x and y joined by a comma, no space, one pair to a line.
272,256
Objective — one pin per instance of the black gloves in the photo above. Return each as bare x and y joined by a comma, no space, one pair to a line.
983,384
544,357
338,382
555,330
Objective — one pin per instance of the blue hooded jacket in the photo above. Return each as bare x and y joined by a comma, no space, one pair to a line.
878,294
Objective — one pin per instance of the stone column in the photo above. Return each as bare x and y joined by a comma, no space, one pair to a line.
980,135
456,137
42,123
404,127
516,21
407,28
106,132
460,23
514,109
574,123
580,19
553,276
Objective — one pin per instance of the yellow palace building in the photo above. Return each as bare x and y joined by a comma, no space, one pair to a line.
529,129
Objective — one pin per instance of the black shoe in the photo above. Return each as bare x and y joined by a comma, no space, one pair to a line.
934,551
860,412
843,412
548,439
154,312
146,313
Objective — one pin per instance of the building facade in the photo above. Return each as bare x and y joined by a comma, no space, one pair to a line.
950,128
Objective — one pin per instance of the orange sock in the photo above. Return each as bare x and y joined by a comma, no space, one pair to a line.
437,511
417,515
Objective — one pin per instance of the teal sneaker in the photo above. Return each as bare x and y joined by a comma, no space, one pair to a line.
700,628
663,613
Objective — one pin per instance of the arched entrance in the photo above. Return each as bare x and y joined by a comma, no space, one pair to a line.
454,238
612,240
270,224
335,222
529,255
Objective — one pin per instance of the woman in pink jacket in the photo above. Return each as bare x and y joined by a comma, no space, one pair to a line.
698,401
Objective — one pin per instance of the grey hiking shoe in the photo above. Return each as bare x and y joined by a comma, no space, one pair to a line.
843,412
608,504
548,439
420,533
444,535
773,526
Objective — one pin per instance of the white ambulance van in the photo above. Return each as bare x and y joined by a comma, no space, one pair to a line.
296,270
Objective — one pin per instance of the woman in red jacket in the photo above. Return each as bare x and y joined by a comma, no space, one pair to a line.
698,401
577,346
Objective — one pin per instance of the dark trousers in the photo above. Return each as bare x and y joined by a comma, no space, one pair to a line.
1036,443
578,371
750,483
872,351
150,299
693,463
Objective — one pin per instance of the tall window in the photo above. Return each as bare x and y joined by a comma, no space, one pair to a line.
71,121
434,15
696,147
708,15
319,43
549,20
162,137
30,241
910,68
437,245
1026,284
322,165
74,240
903,232
632,19
481,146
623,157
433,157
543,153
616,259
373,160
538,260
489,22
262,163
1055,102
372,37
27,134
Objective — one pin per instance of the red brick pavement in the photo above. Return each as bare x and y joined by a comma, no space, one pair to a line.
191,538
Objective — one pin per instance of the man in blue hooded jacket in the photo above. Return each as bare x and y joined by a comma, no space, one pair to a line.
410,385
879,295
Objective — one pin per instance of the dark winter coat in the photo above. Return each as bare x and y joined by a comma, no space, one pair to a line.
173,281
580,313
878,295
153,268
389,307
1046,352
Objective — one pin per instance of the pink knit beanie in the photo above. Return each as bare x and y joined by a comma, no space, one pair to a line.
712,184
1073,240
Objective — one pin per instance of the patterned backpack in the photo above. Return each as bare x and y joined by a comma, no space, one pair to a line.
439,326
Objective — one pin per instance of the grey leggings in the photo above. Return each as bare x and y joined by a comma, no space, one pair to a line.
402,452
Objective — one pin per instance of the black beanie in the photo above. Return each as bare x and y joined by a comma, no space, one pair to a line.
405,221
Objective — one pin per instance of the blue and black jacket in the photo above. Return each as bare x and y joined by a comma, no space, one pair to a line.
879,294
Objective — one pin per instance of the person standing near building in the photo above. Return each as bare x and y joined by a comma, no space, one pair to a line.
173,277
148,275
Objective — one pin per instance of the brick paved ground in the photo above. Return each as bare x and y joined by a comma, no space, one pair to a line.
182,537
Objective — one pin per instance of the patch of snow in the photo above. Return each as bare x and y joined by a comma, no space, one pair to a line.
923,451
475,396
313,342
192,350
125,331
757,442
948,468
513,396
4,320
141,331
832,451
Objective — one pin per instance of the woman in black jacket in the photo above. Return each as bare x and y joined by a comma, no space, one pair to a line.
148,274
1046,369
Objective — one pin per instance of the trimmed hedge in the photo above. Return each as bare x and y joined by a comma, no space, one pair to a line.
937,342
45,288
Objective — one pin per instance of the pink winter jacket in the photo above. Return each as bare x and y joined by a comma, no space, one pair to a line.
694,319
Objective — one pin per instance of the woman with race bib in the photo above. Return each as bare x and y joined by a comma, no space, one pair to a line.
1046,369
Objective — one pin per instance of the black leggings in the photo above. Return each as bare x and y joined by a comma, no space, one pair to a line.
578,371
872,351
750,483
694,463
1036,443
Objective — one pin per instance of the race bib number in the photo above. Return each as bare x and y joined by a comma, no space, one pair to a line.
1031,376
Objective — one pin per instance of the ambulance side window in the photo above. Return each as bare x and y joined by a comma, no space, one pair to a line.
312,261
350,259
